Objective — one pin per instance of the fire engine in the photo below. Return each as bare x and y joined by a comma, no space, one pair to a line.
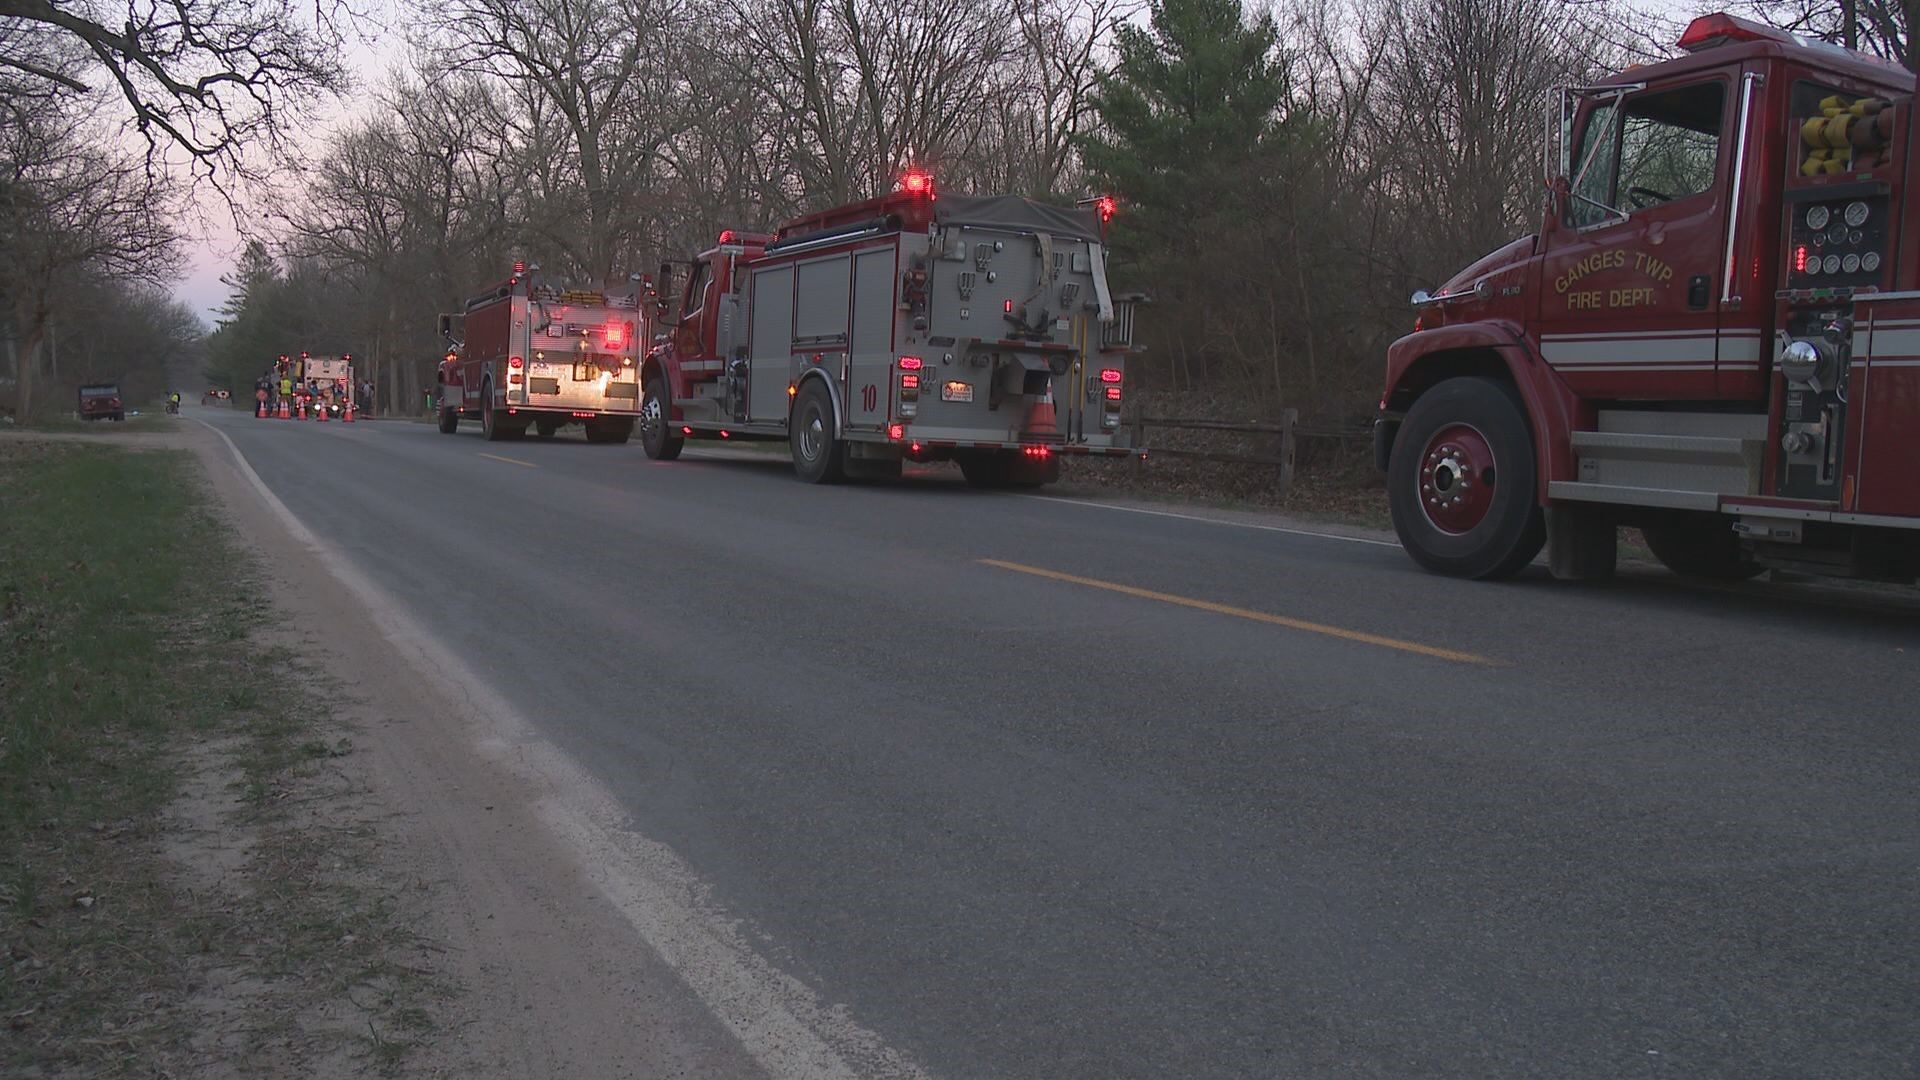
527,354
1714,337
911,326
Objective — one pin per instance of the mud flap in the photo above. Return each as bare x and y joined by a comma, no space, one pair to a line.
1581,542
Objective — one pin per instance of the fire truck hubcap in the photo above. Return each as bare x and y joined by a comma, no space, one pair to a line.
1457,476
650,418
812,434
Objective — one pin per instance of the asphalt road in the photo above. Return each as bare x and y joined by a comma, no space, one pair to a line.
1047,790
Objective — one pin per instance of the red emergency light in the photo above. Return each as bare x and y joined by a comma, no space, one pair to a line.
909,382
915,182
897,432
1109,375
1709,31
515,362
909,363
1800,258
726,236
519,267
616,334
1105,207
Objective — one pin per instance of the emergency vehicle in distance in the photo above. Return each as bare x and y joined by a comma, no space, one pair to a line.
911,326
101,401
1715,336
529,355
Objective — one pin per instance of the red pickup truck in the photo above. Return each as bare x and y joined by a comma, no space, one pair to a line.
101,401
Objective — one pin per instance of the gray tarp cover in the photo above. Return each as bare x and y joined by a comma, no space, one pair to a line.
1018,214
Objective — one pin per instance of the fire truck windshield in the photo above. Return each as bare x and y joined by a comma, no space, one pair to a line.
1647,149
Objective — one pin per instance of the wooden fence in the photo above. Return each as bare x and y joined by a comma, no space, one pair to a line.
1280,451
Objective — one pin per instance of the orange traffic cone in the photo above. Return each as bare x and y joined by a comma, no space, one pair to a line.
282,414
348,414
322,411
1041,418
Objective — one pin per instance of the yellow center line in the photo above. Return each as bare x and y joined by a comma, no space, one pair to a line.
1255,616
508,460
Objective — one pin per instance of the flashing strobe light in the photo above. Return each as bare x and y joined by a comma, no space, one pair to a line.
916,182
726,236
452,356
1105,205
909,363
1800,258
897,432
519,267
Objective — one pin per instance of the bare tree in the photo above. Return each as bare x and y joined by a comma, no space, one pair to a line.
69,207
208,77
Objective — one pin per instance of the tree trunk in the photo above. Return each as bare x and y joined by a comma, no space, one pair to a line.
30,323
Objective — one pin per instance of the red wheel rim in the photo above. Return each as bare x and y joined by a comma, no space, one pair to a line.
1457,477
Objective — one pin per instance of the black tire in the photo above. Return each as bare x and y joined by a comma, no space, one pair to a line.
1700,548
609,431
819,457
656,423
547,429
449,420
1462,481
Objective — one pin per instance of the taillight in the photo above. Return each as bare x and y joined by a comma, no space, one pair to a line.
1109,375
1111,393
910,363
909,381
515,362
897,432
514,379
614,334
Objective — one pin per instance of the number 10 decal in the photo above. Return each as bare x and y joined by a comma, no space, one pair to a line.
870,397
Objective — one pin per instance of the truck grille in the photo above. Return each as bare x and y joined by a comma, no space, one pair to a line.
543,386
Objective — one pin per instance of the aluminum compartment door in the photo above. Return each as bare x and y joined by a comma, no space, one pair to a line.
870,388
770,355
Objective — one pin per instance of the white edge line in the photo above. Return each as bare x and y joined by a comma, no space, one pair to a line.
1212,520
778,1020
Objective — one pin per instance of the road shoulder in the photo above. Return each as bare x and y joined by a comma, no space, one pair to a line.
553,980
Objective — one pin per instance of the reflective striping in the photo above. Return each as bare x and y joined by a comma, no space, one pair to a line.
1892,343
1673,350
1249,614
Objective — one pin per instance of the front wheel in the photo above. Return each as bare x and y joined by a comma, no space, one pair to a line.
819,457
1701,548
449,420
1461,483
656,423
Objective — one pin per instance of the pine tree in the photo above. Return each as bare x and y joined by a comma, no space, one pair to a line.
1192,101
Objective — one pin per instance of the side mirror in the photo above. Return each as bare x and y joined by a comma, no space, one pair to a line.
451,327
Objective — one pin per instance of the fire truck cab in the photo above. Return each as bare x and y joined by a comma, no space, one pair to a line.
912,326
1679,348
529,355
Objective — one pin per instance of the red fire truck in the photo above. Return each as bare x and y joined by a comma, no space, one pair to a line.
912,326
1715,336
530,355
